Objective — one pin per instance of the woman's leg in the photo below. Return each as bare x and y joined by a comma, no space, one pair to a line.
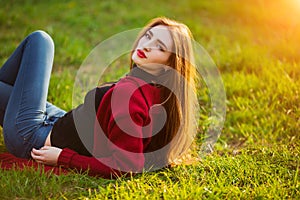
5,91
27,71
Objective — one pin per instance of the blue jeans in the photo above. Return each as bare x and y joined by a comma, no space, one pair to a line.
25,115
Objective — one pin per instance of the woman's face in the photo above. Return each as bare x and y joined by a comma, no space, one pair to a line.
153,50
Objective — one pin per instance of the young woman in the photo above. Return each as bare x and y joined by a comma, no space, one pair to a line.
144,121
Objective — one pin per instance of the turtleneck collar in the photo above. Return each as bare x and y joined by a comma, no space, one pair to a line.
142,74
150,78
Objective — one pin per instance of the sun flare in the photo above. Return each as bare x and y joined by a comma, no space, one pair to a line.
296,3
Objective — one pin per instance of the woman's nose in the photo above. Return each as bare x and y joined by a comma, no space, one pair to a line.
147,49
148,46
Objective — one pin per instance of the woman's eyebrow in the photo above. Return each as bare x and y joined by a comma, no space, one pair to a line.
163,44
150,32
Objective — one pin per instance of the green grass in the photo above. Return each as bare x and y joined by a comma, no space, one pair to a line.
255,44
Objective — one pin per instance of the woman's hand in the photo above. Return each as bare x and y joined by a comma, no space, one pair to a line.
47,155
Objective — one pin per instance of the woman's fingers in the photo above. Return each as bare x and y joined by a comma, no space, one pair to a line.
36,151
37,155
40,151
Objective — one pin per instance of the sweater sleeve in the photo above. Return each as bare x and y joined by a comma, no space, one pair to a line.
72,160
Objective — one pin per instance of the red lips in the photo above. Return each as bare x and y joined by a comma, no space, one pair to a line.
141,53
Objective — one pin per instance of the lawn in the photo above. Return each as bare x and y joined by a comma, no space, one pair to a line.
256,46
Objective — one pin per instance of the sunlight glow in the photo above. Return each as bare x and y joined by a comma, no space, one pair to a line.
295,6
296,3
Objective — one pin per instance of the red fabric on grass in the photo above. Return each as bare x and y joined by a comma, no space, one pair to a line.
11,162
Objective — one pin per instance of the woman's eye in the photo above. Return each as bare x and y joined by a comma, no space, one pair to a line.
160,48
147,35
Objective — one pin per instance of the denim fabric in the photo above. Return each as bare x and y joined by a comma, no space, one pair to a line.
26,116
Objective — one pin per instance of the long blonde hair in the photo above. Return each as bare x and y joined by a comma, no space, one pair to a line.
180,127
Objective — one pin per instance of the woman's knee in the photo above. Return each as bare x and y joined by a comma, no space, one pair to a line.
41,37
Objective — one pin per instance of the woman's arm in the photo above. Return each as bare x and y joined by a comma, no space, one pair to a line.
69,159
121,159
93,166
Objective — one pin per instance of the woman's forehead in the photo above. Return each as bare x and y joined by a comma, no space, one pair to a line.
162,33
